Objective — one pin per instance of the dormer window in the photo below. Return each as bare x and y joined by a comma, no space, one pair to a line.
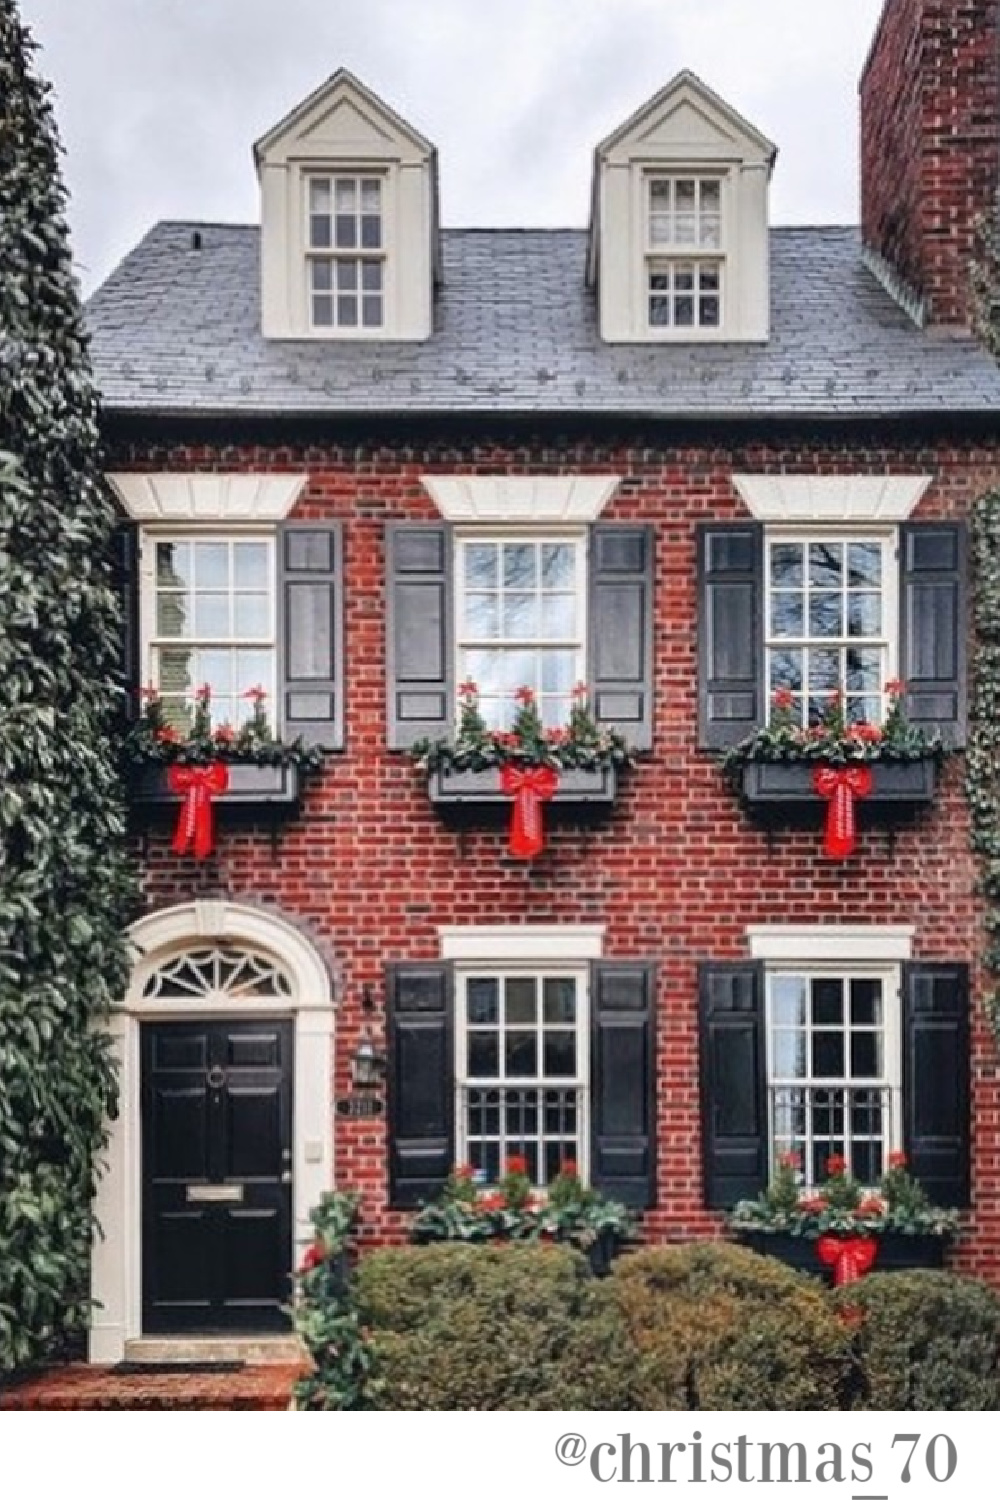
345,252
684,215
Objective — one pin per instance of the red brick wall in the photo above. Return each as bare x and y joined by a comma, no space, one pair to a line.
676,875
930,127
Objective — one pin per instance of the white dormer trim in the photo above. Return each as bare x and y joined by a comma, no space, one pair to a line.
343,130
208,497
497,499
810,497
687,132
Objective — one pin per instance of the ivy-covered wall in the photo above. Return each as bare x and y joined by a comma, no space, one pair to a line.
65,888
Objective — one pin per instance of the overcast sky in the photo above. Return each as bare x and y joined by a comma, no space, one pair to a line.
159,101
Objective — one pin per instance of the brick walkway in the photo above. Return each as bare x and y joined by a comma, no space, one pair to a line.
91,1388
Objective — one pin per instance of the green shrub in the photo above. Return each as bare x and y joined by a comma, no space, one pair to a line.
718,1328
475,1328
924,1341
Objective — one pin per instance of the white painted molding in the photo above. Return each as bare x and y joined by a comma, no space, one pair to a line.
544,499
827,944
539,944
208,497
831,497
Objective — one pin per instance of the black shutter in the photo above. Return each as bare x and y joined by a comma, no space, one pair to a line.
936,1079
621,630
933,568
420,632
421,1082
311,632
733,1082
623,1076
730,633
125,582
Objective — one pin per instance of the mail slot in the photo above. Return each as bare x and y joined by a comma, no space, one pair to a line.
215,1192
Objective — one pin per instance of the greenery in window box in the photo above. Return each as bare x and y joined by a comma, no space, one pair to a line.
982,764
569,1212
155,741
842,1205
834,740
580,745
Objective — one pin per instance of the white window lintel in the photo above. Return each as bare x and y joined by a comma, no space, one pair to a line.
537,944
229,498
861,498
542,499
847,945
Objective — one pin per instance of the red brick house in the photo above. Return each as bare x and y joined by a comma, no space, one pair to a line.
681,456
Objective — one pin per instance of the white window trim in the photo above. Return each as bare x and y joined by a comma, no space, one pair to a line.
892,1041
845,945
534,944
848,499
311,253
888,536
724,256
536,537
149,641
535,969
541,499
224,499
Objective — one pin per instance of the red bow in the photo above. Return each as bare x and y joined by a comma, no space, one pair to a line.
850,1259
197,785
840,785
529,787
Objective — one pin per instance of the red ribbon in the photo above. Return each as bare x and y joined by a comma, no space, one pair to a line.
529,786
197,785
850,1258
840,785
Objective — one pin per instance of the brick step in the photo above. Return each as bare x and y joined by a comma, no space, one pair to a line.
99,1388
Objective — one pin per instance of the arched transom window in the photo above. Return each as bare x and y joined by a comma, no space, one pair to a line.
219,972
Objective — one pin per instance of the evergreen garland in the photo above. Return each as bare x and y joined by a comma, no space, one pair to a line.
65,886
983,756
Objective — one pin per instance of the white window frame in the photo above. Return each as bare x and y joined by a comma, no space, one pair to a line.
538,970
676,255
312,253
890,976
844,532
151,642
539,537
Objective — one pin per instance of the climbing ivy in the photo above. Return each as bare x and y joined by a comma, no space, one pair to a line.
983,757
65,886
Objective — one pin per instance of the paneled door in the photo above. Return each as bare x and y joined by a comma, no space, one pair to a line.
216,1175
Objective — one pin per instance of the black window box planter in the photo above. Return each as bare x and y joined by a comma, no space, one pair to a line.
447,788
770,786
250,785
896,1252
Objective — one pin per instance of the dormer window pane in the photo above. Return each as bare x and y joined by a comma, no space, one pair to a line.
345,216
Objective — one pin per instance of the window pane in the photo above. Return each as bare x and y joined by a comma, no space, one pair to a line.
708,278
176,669
485,668
866,1002
864,614
709,312
319,195
345,235
319,232
520,561
345,199
826,614
788,1000
558,565
371,275
558,616
711,199
322,311
371,232
347,275
786,615
322,275
252,669
866,1054
826,563
788,1054
559,1000
520,669
864,564
521,1054
216,669
251,568
211,565
522,1002
173,564
559,671
371,195
659,193
786,669
481,617
828,1002
824,670
371,312
211,615
252,616
559,1054
483,1054
786,565
864,670
828,1054
684,312
172,615
520,617
482,1002
481,566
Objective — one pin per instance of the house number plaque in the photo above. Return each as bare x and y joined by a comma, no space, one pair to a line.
359,1107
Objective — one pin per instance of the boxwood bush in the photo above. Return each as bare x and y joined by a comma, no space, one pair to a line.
478,1328
924,1341
718,1328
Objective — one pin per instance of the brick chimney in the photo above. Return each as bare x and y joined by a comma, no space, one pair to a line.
930,146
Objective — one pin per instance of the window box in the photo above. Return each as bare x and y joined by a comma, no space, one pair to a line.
896,1252
455,789
250,785
776,784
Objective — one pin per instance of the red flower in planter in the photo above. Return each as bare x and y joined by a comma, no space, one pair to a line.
517,1164
896,1160
813,1205
791,1160
895,687
525,695
869,1207
783,698
836,1166
315,1256
569,1168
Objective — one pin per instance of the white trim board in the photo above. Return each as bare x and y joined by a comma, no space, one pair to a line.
539,944
820,943
831,497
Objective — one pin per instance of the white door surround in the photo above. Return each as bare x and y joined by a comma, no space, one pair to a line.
117,1252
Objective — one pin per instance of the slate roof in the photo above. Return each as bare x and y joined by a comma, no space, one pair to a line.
176,330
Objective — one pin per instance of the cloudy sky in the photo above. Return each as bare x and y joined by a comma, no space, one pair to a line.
158,101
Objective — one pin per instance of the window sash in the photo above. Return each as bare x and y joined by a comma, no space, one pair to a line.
354,242
676,225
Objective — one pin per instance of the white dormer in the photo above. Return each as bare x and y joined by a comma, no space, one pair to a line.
678,232
349,230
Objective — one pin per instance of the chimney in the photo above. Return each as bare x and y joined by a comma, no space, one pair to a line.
930,147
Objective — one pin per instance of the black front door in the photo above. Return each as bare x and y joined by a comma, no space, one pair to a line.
216,1175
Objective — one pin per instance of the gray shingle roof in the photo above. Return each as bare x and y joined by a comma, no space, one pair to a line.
176,329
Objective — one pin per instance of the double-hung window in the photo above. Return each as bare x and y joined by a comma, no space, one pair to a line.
522,622
521,1070
684,252
831,610
833,1062
346,251
210,622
